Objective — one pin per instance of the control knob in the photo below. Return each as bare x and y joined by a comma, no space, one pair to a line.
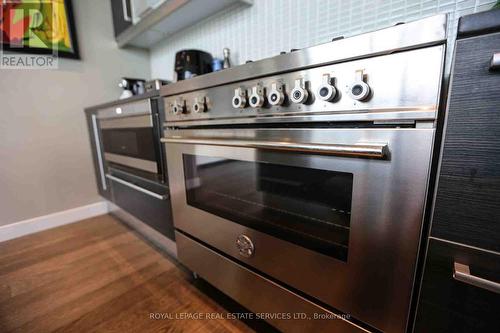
257,98
299,93
276,95
179,106
326,90
240,98
200,104
359,90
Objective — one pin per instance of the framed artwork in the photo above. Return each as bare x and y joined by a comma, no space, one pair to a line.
38,26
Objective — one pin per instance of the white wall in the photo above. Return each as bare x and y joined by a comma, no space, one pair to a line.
271,26
45,159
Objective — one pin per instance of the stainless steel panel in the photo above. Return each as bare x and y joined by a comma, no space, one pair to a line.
100,162
428,31
132,162
394,116
257,293
142,107
127,122
375,283
357,150
405,82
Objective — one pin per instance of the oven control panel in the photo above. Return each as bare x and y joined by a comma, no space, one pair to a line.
401,81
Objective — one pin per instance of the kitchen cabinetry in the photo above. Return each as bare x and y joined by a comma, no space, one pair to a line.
122,15
125,142
146,200
461,284
153,23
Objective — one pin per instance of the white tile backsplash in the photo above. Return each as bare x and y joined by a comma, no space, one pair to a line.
271,26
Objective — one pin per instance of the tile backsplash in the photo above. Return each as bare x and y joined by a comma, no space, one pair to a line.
271,26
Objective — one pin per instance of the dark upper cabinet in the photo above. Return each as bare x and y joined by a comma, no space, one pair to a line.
122,15
467,207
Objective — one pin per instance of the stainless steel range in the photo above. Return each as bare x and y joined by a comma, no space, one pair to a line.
299,182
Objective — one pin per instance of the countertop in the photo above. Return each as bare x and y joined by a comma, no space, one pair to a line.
151,94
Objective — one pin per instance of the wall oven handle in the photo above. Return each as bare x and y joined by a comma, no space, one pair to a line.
100,162
137,188
356,150
462,273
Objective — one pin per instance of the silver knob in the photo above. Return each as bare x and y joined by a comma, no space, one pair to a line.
326,90
245,246
179,106
200,104
257,98
359,90
240,98
299,93
276,95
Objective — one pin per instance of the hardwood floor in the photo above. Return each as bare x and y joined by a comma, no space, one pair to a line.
97,275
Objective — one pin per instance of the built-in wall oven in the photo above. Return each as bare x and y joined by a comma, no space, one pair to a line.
130,136
131,165
299,183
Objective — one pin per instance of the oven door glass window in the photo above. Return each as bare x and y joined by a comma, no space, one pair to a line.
305,206
132,142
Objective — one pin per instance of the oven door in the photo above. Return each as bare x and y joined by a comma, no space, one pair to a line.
131,143
334,213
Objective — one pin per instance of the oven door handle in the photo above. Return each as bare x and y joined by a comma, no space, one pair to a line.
378,151
137,188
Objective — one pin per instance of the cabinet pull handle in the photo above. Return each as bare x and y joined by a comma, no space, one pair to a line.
138,188
462,273
495,62
126,16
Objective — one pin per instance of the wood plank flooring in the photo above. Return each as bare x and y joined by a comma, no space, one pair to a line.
97,275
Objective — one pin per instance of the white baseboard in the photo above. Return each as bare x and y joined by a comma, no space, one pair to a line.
26,227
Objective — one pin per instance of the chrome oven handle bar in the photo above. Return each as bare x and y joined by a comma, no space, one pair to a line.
462,273
100,161
137,188
355,150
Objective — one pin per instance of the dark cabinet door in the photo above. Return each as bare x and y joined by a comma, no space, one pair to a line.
146,200
122,15
467,208
449,305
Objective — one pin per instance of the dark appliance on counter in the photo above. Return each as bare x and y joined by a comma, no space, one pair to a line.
191,63
461,282
130,163
299,182
131,87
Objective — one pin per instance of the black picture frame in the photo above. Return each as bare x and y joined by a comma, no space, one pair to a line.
61,54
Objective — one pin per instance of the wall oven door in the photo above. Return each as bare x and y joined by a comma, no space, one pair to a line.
333,213
131,143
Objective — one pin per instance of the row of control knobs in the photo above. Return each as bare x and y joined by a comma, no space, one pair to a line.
200,105
359,90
